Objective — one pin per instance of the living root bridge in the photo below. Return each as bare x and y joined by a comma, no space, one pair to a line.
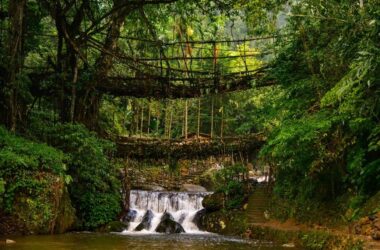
142,148
165,87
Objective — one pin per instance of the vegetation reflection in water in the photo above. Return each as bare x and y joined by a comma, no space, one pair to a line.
93,241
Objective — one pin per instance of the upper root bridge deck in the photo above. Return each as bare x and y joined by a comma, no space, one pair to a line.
142,148
187,69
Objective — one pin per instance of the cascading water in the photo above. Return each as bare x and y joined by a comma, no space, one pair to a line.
148,209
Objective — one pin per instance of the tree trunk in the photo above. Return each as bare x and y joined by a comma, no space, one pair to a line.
222,123
148,130
157,124
170,123
91,98
212,117
166,123
134,122
14,108
73,89
186,112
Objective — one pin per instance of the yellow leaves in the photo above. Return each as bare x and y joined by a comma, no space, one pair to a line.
222,224
189,31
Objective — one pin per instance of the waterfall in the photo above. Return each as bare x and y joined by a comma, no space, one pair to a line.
147,209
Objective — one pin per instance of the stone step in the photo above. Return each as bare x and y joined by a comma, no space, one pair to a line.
258,203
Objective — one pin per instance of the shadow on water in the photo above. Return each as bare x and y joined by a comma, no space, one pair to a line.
94,241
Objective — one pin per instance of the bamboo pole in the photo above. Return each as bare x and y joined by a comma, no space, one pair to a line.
222,123
142,121
186,120
199,117
212,117
149,111
170,123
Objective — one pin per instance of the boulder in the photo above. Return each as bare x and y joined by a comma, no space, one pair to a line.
146,221
8,241
224,222
66,214
152,187
213,202
130,216
115,226
168,225
192,188
198,217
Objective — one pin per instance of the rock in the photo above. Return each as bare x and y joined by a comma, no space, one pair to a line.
363,226
130,216
192,188
146,221
66,214
168,225
8,241
289,245
213,202
224,222
115,226
152,187
376,221
376,235
376,228
369,226
198,217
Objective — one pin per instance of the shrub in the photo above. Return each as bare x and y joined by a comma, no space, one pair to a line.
95,188
32,180
228,181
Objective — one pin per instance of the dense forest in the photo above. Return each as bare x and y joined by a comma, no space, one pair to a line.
77,75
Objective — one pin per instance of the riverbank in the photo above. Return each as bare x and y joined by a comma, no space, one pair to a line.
252,221
289,234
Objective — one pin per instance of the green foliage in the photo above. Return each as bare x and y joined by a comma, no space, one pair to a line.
31,180
228,181
95,187
315,240
324,138
2,189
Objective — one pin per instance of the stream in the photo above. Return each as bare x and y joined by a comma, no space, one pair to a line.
94,241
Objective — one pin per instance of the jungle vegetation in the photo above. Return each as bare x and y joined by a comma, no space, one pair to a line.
62,102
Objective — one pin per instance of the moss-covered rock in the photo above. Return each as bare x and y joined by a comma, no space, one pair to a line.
33,177
113,226
66,214
224,222
169,225
213,202
146,221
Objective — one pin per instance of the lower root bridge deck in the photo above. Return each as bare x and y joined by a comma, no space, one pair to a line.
142,148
